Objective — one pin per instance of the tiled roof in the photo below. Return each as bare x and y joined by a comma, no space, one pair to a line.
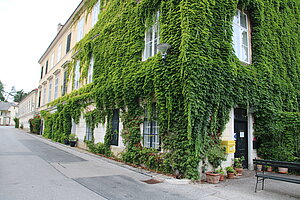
5,105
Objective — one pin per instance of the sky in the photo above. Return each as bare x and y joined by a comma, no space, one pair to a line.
27,29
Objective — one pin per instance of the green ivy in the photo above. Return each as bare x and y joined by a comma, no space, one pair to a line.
197,85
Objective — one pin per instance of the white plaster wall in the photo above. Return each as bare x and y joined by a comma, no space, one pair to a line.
121,126
228,135
251,152
24,121
99,133
81,129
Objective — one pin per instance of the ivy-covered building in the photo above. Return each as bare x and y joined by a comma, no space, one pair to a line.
230,77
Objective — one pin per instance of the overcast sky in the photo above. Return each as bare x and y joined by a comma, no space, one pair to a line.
27,29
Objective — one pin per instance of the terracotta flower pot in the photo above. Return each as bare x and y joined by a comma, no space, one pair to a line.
222,177
269,169
283,170
259,168
212,177
230,175
239,171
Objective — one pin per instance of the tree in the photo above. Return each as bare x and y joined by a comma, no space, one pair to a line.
1,91
19,95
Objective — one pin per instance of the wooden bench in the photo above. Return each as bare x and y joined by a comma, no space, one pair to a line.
263,174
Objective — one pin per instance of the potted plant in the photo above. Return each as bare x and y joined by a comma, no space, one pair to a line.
283,170
269,168
72,139
238,165
222,174
66,140
215,156
230,172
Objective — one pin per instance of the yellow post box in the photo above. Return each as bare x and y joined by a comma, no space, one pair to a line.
229,146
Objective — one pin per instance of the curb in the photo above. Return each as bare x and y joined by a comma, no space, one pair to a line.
154,175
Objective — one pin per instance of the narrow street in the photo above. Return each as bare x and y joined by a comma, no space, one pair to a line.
33,168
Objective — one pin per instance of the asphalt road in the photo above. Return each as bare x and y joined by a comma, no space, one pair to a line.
33,168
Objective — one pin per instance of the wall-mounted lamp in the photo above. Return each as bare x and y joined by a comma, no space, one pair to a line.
163,48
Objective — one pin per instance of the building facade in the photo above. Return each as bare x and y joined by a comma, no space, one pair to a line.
27,108
13,113
180,105
5,113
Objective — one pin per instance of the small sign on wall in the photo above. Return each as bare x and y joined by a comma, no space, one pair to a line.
242,134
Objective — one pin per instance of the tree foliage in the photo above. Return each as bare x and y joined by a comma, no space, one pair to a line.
1,92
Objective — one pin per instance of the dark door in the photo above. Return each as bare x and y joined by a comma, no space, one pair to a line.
241,134
115,128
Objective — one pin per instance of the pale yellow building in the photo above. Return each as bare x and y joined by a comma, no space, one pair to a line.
27,109
53,79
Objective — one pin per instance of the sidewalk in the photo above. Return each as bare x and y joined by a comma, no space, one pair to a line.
239,188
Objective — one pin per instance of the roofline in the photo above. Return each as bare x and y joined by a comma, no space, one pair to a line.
32,91
62,30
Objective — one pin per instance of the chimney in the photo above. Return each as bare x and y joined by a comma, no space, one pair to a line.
59,27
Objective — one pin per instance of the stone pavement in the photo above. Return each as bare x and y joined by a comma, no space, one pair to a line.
95,177
242,187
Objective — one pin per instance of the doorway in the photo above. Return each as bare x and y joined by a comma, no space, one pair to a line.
241,134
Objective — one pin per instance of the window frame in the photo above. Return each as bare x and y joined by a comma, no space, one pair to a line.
90,70
80,29
44,95
56,87
50,90
68,45
77,75
237,38
59,53
151,138
95,13
153,31
89,133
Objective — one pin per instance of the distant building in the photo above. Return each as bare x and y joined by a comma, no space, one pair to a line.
5,113
27,109
13,113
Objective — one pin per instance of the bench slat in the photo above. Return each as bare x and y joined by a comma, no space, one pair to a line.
279,178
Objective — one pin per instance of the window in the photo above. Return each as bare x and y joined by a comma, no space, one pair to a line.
151,129
44,98
151,39
241,37
42,72
80,30
49,91
52,60
77,75
91,69
89,133
46,70
59,53
64,89
96,11
56,88
40,96
115,127
68,43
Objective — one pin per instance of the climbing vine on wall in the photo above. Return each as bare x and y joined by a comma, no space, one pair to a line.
197,85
